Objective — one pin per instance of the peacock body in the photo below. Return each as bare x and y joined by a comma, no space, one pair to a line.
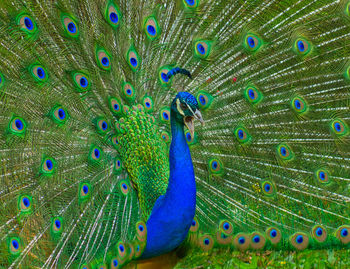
97,165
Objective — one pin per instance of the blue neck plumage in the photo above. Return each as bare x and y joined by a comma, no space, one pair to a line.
172,214
181,168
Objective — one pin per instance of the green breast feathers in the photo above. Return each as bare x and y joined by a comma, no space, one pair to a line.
144,151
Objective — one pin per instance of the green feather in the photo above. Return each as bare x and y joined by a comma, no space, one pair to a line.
85,126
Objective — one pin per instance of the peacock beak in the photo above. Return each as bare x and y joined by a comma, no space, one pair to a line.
198,116
189,121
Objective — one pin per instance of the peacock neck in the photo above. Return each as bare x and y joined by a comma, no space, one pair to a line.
172,215
181,167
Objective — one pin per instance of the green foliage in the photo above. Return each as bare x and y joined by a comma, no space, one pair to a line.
267,259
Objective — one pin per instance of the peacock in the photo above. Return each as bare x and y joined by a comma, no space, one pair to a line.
132,128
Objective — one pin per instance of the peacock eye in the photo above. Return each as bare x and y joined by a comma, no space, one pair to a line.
183,106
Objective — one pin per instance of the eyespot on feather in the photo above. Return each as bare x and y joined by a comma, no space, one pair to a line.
14,245
17,126
141,231
299,240
274,235
253,95
70,26
163,76
118,165
115,263
140,108
268,188
81,81
302,46
188,136
299,105
39,73
242,135
164,115
215,167
48,166
102,126
202,49
223,239
56,225
27,24
115,105
25,204
191,4
128,92
206,242
122,251
226,227
194,225
84,191
257,240
125,109
323,176
115,142
339,128
119,128
113,15
241,241
252,42
343,234
191,140
131,251
58,114
95,154
148,103
284,152
152,28
319,233
165,136
124,187
133,59
103,59
204,100
138,249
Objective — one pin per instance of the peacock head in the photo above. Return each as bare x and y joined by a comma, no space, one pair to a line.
185,107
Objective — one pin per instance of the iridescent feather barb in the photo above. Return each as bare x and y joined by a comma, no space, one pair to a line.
89,107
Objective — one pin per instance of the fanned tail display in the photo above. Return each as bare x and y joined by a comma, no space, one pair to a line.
87,118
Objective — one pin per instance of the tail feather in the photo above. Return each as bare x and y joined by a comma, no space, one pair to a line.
271,163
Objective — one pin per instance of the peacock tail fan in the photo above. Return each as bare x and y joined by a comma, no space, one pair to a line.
85,94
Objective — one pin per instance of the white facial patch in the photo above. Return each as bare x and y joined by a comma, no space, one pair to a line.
179,107
190,108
